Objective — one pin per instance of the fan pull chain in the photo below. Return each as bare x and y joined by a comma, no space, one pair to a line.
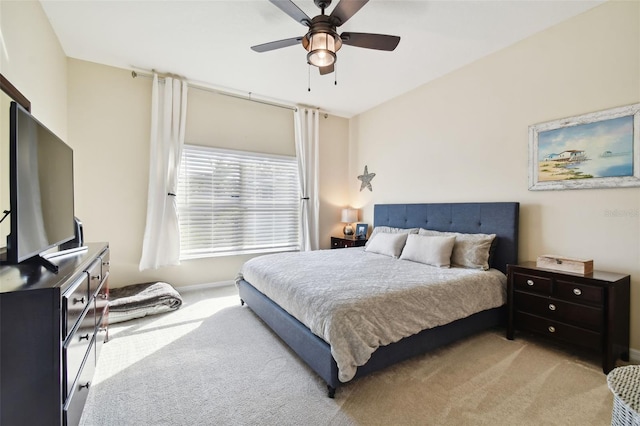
335,74
308,78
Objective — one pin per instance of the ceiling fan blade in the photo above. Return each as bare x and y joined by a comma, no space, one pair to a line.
290,8
371,41
346,9
273,45
326,70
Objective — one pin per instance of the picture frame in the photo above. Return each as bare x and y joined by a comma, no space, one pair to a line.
361,230
594,150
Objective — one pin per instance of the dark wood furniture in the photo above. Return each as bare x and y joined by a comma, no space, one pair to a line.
52,328
499,218
591,311
347,241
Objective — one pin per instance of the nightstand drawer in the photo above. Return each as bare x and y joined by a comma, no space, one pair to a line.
337,242
579,315
532,283
579,293
558,330
340,243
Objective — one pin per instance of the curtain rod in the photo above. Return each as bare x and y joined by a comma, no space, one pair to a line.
146,74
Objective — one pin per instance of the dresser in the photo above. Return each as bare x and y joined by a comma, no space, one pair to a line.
347,241
52,327
591,311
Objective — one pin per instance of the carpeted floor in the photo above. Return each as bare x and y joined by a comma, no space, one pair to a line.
214,363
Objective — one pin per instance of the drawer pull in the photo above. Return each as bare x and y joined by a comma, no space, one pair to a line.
529,282
552,307
85,386
552,329
577,291
76,300
95,277
86,336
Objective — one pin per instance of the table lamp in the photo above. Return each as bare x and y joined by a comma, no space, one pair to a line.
348,217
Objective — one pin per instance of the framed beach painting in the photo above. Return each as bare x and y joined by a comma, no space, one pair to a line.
595,150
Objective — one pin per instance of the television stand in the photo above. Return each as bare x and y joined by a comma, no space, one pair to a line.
46,263
65,252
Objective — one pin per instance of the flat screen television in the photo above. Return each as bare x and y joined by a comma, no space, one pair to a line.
41,188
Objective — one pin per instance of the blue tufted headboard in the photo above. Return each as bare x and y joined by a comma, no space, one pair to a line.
501,219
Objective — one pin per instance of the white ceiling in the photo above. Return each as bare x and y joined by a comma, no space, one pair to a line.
209,43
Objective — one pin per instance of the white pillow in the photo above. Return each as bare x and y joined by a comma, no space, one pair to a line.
470,250
435,251
387,244
390,230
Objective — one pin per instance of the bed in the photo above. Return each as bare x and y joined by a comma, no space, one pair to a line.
499,218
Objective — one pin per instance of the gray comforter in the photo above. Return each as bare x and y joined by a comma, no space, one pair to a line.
358,301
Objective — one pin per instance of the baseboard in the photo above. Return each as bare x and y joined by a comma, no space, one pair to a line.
205,286
634,356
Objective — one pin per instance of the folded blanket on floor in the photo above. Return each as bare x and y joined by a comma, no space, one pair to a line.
139,300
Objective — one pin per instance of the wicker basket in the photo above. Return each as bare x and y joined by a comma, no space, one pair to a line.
624,382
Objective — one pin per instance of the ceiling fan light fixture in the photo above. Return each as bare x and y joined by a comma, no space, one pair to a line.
322,47
322,41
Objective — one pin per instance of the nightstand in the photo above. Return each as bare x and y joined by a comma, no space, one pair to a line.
591,311
347,241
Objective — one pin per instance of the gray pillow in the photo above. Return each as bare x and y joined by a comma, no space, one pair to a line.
390,230
387,244
469,250
435,251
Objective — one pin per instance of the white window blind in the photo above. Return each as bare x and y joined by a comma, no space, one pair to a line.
233,202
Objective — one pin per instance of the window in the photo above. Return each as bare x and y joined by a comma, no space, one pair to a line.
234,202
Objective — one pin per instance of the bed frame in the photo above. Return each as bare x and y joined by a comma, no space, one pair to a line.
500,218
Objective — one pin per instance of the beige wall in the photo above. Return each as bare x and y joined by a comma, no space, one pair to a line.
109,131
33,61
232,123
464,138
5,202
334,164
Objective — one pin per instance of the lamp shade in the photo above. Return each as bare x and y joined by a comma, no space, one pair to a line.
322,45
349,215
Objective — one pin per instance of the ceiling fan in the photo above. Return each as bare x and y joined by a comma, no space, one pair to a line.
322,40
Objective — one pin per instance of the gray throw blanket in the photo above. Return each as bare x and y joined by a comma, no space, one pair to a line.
139,300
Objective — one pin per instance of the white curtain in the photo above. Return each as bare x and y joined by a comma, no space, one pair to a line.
306,123
161,244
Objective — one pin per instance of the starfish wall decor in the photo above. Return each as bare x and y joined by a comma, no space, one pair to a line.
366,179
